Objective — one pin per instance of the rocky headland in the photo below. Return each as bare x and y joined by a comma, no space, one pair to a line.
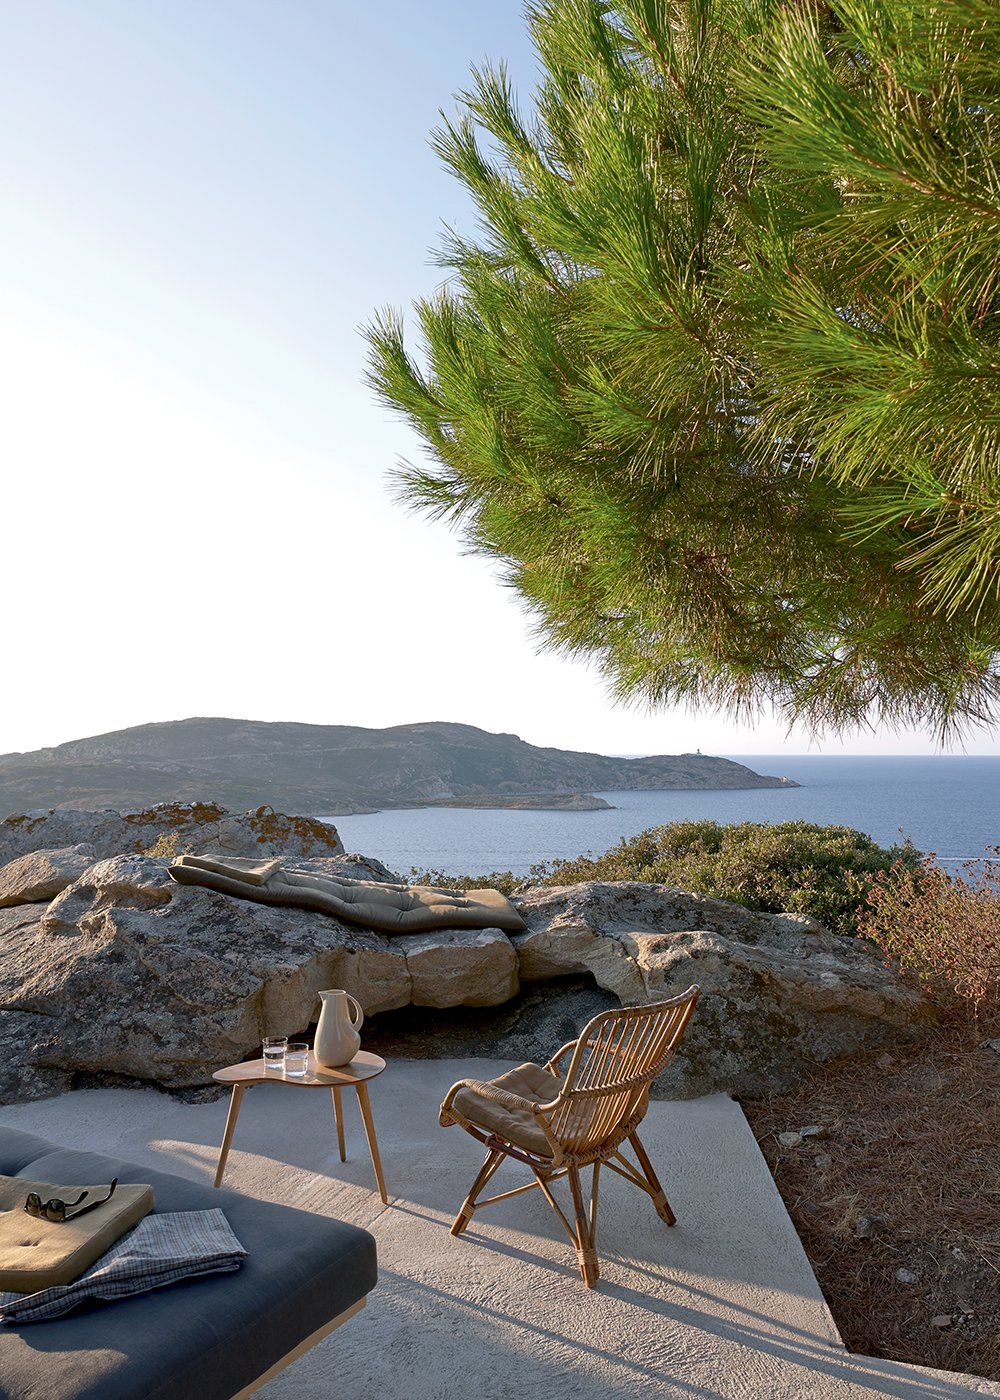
334,769
109,969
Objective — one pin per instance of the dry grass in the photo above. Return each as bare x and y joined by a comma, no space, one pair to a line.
912,1138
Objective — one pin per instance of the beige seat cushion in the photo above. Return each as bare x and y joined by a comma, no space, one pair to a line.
37,1254
531,1082
370,903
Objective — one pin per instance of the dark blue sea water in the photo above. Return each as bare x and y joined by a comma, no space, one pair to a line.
948,804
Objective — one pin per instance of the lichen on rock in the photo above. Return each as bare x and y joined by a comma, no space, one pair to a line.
181,827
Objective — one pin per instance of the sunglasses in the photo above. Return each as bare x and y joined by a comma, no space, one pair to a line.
55,1210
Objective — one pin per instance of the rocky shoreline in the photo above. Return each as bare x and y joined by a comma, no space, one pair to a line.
120,972
530,802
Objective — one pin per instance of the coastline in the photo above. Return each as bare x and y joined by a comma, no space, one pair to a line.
947,804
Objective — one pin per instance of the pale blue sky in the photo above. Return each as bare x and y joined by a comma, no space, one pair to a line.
203,200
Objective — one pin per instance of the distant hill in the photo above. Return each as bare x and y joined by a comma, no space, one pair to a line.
331,768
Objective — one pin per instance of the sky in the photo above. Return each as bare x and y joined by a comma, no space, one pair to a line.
203,204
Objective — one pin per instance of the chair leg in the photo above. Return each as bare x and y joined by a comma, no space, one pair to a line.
586,1252
493,1160
593,1204
655,1189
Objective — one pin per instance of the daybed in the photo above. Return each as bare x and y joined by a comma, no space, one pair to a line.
215,1338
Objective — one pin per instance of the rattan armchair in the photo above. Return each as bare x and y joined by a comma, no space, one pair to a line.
578,1110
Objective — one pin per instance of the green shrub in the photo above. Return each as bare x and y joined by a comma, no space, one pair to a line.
503,880
793,867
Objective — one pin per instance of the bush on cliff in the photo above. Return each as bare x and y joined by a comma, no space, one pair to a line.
503,880
942,928
785,867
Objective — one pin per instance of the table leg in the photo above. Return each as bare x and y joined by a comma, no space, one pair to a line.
366,1115
234,1113
338,1109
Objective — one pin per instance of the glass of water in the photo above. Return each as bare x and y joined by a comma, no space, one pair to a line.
296,1058
274,1052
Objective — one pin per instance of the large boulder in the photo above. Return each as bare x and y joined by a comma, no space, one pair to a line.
143,977
39,876
24,1039
24,1035
779,993
176,827
460,967
128,973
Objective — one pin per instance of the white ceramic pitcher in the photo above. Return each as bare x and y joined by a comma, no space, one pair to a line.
337,1040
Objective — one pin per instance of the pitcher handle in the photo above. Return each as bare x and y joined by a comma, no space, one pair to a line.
361,1015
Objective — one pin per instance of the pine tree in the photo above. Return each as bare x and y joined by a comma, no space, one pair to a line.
717,379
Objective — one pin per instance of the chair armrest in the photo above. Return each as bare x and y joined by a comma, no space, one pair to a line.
449,1114
486,1091
553,1065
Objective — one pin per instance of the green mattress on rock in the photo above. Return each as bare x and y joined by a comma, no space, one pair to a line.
389,908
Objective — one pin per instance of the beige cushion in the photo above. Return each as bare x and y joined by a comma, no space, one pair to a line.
515,1125
37,1254
370,903
251,872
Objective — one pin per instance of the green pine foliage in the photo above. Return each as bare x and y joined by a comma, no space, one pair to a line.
717,379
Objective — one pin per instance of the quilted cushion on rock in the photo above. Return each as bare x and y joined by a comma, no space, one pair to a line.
372,904
515,1125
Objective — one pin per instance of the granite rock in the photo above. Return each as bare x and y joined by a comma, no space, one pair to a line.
38,876
136,975
780,995
127,973
177,827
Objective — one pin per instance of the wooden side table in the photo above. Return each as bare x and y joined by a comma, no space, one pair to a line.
363,1067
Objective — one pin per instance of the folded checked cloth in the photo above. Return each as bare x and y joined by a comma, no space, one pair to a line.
161,1249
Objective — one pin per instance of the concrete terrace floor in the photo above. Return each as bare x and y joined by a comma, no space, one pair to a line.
723,1305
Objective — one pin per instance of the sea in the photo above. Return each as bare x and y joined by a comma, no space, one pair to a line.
947,804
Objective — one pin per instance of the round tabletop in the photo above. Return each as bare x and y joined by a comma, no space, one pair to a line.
364,1066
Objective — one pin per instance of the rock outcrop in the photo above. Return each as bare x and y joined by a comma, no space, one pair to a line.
180,827
23,1035
39,876
140,976
779,993
127,973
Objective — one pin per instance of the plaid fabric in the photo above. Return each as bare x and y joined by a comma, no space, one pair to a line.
161,1249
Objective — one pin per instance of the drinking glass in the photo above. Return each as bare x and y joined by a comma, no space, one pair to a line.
274,1051
296,1058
